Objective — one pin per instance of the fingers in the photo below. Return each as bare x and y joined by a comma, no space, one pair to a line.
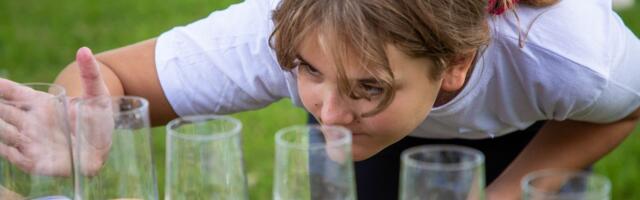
15,157
11,114
10,90
10,119
92,81
9,135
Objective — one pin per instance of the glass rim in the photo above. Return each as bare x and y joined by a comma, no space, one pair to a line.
569,173
61,94
237,127
345,140
144,103
477,157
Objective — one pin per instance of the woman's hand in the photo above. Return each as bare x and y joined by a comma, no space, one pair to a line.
34,129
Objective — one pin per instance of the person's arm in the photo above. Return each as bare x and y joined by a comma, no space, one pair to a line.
128,70
562,144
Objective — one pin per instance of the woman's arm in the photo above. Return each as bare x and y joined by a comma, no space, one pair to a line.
562,144
128,70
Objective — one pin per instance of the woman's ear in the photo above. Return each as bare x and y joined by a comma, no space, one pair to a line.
454,77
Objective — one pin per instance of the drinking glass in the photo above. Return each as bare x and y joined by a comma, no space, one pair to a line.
442,172
114,149
313,162
35,131
559,184
204,159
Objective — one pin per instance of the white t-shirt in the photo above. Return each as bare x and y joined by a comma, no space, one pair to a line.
578,62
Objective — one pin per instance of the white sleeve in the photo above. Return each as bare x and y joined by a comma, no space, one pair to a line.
621,96
582,61
223,63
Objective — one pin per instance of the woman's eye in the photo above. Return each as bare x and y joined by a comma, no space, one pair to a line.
372,90
309,69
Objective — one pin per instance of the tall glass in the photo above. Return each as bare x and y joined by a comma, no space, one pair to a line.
114,149
313,162
204,159
442,172
36,158
557,184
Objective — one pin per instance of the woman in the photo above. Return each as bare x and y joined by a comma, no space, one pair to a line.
397,74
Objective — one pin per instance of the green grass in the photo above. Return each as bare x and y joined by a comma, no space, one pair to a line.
39,37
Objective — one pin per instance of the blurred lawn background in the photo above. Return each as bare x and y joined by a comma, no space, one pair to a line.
39,37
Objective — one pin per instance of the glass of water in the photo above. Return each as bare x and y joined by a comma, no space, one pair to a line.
204,159
114,159
36,161
314,162
559,184
442,172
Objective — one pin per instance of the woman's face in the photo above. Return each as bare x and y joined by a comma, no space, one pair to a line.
415,94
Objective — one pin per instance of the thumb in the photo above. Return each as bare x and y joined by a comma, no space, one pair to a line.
92,81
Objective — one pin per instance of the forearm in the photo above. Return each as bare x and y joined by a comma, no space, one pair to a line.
566,144
129,70
71,80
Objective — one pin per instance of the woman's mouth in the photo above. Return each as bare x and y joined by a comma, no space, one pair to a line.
359,135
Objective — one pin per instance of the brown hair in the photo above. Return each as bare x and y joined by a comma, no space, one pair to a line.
436,29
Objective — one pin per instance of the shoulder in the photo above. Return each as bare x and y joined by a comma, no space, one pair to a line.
248,18
558,55
581,31
575,61
552,86
222,63
241,30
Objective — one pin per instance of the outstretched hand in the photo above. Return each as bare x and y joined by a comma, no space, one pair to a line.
34,128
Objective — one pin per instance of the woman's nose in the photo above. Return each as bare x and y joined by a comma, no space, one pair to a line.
336,111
